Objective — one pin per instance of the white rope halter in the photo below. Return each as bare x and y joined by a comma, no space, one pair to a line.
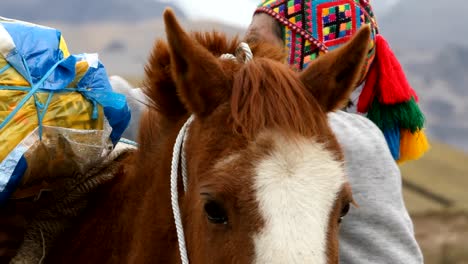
176,156
244,55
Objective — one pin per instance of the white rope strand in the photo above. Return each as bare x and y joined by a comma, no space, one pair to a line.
243,53
174,191
228,56
245,49
183,158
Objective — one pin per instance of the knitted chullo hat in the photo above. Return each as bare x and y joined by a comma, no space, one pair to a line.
313,27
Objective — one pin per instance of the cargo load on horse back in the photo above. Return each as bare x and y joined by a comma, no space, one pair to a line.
58,114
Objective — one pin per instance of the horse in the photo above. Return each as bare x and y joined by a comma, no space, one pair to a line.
236,161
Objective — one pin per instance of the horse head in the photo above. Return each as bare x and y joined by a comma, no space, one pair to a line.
265,176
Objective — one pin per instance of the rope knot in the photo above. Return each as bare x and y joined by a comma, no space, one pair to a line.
243,54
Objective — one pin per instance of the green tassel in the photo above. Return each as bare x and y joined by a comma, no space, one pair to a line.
405,115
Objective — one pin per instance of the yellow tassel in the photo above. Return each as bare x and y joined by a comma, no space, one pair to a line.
412,145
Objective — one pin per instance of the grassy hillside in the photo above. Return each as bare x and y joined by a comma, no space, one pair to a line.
442,231
442,172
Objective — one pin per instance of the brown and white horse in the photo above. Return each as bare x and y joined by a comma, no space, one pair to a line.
266,181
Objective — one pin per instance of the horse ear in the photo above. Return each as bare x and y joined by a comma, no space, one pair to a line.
159,86
333,76
199,76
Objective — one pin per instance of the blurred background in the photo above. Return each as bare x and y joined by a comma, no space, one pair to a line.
428,37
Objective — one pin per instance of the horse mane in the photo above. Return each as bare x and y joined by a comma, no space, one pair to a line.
266,94
216,43
253,107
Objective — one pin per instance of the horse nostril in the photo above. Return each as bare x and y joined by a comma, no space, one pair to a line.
215,213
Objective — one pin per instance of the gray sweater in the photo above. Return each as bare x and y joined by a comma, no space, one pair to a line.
380,230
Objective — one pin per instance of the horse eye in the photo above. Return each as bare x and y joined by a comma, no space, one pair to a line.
344,212
215,213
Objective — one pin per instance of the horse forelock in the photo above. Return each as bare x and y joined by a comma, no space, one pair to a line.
264,92
268,95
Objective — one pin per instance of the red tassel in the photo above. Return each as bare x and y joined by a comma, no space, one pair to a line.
385,77
394,87
368,92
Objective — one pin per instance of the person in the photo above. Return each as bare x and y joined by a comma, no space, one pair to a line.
380,229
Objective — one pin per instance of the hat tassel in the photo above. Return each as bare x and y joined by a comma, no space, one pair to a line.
391,104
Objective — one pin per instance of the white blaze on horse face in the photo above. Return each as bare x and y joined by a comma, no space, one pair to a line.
296,185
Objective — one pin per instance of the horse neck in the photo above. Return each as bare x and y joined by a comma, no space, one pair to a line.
150,180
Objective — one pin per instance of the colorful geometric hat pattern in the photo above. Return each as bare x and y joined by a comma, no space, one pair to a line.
311,28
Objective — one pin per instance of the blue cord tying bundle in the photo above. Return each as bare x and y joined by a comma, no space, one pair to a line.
49,96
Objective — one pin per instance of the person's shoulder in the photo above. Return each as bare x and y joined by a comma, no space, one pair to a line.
341,119
356,133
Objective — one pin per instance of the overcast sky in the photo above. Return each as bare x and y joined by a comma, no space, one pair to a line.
239,12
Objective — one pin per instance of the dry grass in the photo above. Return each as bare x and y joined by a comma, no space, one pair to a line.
443,237
444,172
441,232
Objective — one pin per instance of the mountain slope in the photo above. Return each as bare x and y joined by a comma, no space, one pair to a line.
429,24
125,47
